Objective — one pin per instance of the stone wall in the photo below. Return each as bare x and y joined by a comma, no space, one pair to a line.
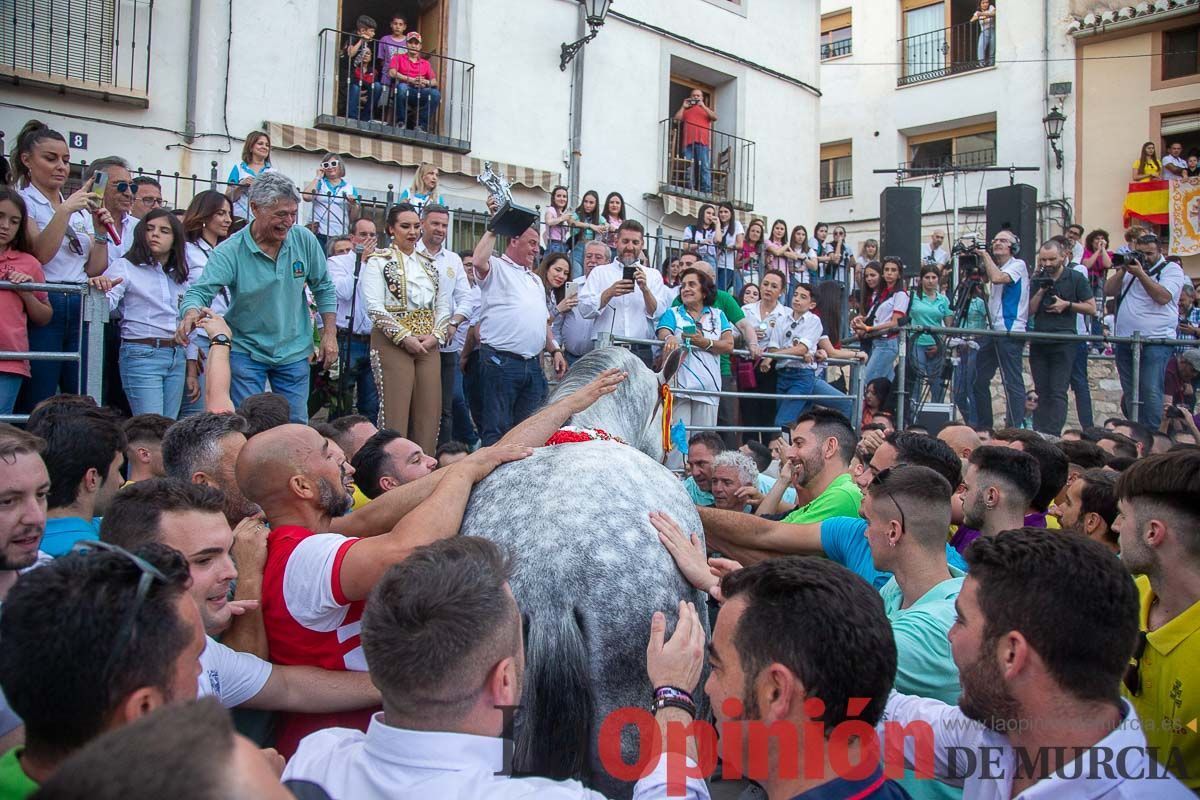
1102,379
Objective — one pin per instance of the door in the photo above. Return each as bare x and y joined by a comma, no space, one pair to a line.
925,39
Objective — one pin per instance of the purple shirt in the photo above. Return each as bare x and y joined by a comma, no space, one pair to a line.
387,47
964,535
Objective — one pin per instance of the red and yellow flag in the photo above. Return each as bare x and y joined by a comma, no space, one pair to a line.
1148,201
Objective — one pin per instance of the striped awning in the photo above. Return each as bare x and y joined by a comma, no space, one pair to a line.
294,137
689,208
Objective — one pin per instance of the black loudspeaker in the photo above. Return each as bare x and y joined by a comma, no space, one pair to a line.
900,226
934,416
1014,208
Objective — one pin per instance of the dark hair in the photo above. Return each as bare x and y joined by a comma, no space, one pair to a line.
883,284
30,136
593,217
15,442
778,273
372,462
1018,471
868,294
1070,598
62,624
203,208
922,450
433,208
1123,446
826,423
1121,463
134,515
771,232
710,439
139,254
193,443
824,624
451,448
60,405
882,388
1167,482
181,750
554,191
827,298
604,208
342,426
1089,242
366,22
699,225
1094,434
631,225
20,241
76,443
264,411
1052,469
146,180
925,494
248,147
1138,432
1099,496
707,286
543,272
146,428
436,624
760,453
741,298
394,214
1084,454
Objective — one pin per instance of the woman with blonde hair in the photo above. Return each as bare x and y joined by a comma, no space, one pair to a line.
423,189
256,159
409,307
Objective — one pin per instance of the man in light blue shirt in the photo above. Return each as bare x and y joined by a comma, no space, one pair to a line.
703,447
266,267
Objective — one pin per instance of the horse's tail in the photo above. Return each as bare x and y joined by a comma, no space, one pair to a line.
553,737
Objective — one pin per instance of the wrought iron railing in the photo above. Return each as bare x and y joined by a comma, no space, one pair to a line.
832,189
730,166
966,160
358,93
842,47
94,47
948,51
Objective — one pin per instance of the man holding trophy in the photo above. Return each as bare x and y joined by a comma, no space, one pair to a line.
513,328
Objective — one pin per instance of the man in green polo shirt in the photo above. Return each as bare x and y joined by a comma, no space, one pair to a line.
265,267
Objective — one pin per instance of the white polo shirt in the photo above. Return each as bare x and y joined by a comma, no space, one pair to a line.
230,676
512,308
1008,303
625,315
66,266
341,272
388,763
452,272
1139,312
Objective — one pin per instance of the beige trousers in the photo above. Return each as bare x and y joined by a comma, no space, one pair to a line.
410,391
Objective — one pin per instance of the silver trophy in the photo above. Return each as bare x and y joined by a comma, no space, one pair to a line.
510,219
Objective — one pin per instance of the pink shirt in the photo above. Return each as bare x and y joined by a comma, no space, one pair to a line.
421,68
14,333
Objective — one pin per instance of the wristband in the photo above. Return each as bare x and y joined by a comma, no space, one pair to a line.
682,705
673,693
100,238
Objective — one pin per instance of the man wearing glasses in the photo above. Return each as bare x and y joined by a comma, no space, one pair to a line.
1008,310
147,197
1159,531
118,200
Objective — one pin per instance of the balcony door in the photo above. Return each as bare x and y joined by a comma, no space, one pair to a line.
925,47
427,16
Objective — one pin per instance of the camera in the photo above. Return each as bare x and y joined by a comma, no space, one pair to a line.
1125,259
967,251
1044,283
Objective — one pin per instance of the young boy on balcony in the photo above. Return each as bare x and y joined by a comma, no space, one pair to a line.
358,52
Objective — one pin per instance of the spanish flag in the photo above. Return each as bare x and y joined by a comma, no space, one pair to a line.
1148,201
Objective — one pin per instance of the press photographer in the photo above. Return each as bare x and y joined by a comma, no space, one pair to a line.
1008,310
1059,294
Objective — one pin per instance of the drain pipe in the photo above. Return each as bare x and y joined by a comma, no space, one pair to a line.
576,114
1046,160
193,71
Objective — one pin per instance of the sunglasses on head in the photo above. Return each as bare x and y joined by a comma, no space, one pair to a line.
880,480
1133,672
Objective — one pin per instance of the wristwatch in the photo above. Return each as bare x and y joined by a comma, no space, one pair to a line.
221,339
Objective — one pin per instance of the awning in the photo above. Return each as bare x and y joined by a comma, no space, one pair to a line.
294,137
688,208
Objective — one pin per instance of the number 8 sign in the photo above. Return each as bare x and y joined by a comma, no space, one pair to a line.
77,141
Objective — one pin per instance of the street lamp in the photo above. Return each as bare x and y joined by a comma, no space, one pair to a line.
594,13
1053,123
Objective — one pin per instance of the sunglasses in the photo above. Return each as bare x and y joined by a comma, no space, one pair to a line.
330,164
73,243
879,480
126,186
149,574
1133,672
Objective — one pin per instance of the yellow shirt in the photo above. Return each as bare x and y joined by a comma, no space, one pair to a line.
360,499
1169,701
1151,166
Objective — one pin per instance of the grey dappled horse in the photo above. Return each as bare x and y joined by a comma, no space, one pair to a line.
588,568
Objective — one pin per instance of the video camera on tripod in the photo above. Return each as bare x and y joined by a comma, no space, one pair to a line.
967,250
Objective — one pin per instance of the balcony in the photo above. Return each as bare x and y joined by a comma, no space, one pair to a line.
937,163
831,190
362,98
836,49
93,48
941,53
731,172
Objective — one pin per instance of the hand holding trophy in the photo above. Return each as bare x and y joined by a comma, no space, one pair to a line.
508,218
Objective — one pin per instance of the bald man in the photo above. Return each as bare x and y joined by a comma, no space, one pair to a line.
962,439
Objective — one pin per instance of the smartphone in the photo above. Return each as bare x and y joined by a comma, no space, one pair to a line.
98,187
572,289
688,329
629,273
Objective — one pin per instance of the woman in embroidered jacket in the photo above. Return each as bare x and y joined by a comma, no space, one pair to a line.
409,307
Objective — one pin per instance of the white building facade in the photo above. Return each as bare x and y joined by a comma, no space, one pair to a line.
174,85
906,86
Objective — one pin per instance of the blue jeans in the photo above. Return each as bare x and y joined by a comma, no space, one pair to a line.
985,50
1150,381
189,408
424,101
1079,385
513,388
805,381
964,385
290,380
456,417
59,335
882,363
698,154
10,387
556,246
1005,355
359,375
577,259
354,95
153,378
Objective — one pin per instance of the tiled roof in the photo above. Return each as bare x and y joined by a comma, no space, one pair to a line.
1096,21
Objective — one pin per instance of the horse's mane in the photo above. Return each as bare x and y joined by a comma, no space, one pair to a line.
627,411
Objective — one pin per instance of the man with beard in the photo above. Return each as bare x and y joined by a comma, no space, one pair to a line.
315,582
998,486
1045,626
1089,507
388,461
188,517
1160,543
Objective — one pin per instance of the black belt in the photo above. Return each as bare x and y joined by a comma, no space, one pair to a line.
355,337
507,354
153,342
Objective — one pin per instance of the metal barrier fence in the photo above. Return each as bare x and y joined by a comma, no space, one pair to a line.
91,330
606,339
1137,342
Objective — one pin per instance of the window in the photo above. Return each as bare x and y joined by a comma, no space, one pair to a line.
835,35
1180,57
836,170
973,146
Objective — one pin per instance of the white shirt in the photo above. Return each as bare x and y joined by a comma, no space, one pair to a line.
125,230
805,329
512,308
331,206
148,299
1174,161
66,266
453,274
1077,253
625,315
1083,323
470,307
725,258
1139,312
230,676
421,289
928,254
897,302
388,763
700,369
1008,303
341,272
1123,752
780,315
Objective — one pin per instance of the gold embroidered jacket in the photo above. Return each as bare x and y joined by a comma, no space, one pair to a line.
405,295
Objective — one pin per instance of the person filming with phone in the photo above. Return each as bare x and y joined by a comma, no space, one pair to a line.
695,119
624,298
